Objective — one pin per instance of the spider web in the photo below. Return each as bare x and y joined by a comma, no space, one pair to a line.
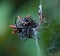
54,30
54,36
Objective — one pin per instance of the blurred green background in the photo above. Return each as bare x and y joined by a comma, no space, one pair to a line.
11,45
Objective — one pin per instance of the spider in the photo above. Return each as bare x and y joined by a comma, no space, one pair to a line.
26,27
